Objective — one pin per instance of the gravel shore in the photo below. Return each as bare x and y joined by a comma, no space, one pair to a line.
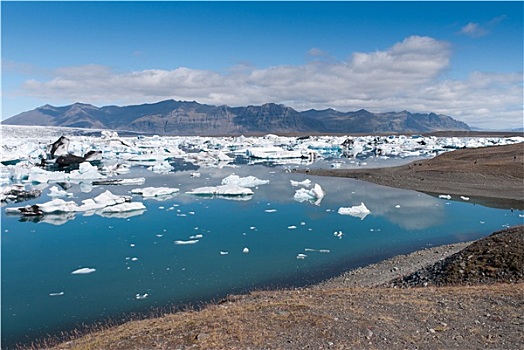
401,265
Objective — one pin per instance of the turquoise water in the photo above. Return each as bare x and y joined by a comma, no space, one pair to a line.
137,254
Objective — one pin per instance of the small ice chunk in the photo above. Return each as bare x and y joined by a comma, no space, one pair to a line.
444,196
397,206
305,183
245,250
359,211
223,253
292,227
464,198
56,192
193,241
59,294
195,174
139,296
270,210
301,256
196,236
338,234
83,271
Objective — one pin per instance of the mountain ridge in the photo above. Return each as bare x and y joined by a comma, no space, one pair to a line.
171,117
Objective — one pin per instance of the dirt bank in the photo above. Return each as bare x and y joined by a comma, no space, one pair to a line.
489,175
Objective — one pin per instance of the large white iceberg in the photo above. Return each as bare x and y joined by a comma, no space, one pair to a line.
359,211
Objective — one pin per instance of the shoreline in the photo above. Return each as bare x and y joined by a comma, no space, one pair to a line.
492,176
377,274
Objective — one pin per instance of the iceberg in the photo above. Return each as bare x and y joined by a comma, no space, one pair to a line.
273,153
135,181
103,200
161,168
148,192
124,207
56,192
305,183
224,190
248,181
359,211
193,241
83,271
314,195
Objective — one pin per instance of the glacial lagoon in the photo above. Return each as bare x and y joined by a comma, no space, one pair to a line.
63,270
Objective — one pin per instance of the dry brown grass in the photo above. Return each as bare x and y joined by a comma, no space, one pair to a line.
338,318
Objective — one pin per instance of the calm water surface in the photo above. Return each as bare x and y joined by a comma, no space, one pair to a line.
136,255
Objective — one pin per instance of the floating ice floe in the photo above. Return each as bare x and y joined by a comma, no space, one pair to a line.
464,198
123,207
359,211
273,153
103,200
444,196
317,250
83,271
245,250
223,190
17,193
314,195
128,182
305,183
248,181
56,192
192,241
105,204
148,192
59,294
301,256
161,168
115,169
139,296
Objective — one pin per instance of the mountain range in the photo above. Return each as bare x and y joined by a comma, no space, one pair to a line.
172,117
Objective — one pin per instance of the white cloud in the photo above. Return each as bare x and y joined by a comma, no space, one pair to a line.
477,30
405,76
474,30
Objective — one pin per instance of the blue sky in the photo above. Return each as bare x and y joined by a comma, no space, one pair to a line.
463,59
